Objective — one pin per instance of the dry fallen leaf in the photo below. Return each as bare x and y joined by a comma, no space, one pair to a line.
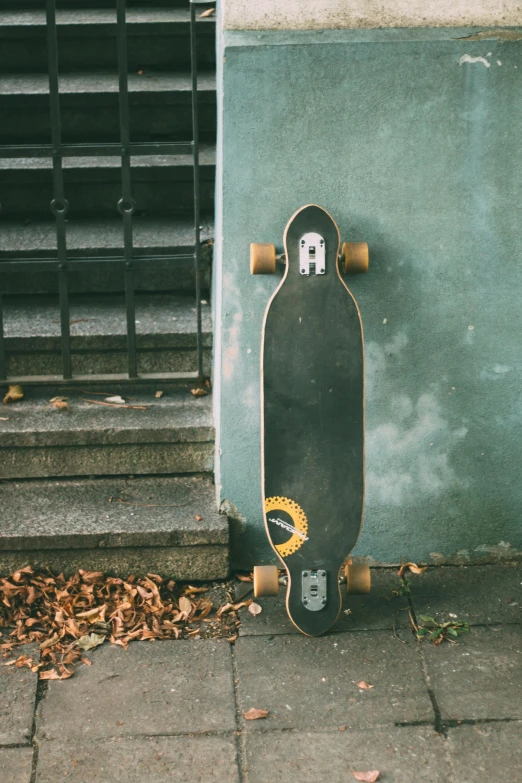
364,686
52,674
198,518
95,615
14,393
159,395
367,777
414,568
50,642
60,403
191,590
245,577
90,641
232,607
254,608
115,404
255,714
195,392
206,13
185,605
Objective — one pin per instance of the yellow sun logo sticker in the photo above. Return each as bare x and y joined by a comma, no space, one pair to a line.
298,528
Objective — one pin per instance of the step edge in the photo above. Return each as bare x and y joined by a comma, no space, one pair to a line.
213,535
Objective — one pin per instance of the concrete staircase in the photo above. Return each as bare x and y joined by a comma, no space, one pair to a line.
98,486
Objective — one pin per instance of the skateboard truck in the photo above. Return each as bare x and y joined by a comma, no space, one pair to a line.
354,257
313,590
311,254
356,577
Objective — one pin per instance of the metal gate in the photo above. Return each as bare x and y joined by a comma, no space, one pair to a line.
125,149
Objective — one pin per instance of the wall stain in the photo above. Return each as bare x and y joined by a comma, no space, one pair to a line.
467,58
488,35
410,456
231,351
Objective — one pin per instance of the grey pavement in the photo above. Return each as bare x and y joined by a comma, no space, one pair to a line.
173,711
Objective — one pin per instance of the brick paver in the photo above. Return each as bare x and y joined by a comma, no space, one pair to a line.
138,760
402,755
312,683
487,752
17,699
480,677
172,687
379,610
16,765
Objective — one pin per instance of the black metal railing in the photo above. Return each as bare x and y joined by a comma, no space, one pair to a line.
60,262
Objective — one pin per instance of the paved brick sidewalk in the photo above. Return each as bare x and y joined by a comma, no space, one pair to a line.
173,711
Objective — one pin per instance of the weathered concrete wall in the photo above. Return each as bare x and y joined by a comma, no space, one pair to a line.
339,14
411,139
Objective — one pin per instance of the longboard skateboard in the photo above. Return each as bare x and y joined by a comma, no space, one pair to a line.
312,419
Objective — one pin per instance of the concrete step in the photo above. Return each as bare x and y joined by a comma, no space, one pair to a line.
175,434
157,37
159,107
166,525
165,326
161,184
102,238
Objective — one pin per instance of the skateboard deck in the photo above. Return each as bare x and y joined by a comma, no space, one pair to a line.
312,402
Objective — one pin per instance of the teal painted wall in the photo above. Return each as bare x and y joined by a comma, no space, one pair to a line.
419,153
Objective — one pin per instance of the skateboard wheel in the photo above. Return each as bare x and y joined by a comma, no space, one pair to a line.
262,258
358,579
355,257
266,581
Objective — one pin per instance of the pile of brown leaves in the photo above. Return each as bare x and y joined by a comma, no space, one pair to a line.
69,617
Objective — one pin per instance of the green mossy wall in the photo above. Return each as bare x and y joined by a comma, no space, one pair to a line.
416,148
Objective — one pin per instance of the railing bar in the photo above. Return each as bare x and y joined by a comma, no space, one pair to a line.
126,204
130,309
139,262
65,320
52,64
87,150
3,366
195,153
59,204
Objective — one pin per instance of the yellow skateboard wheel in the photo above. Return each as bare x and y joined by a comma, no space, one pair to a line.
358,578
356,257
262,258
266,581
